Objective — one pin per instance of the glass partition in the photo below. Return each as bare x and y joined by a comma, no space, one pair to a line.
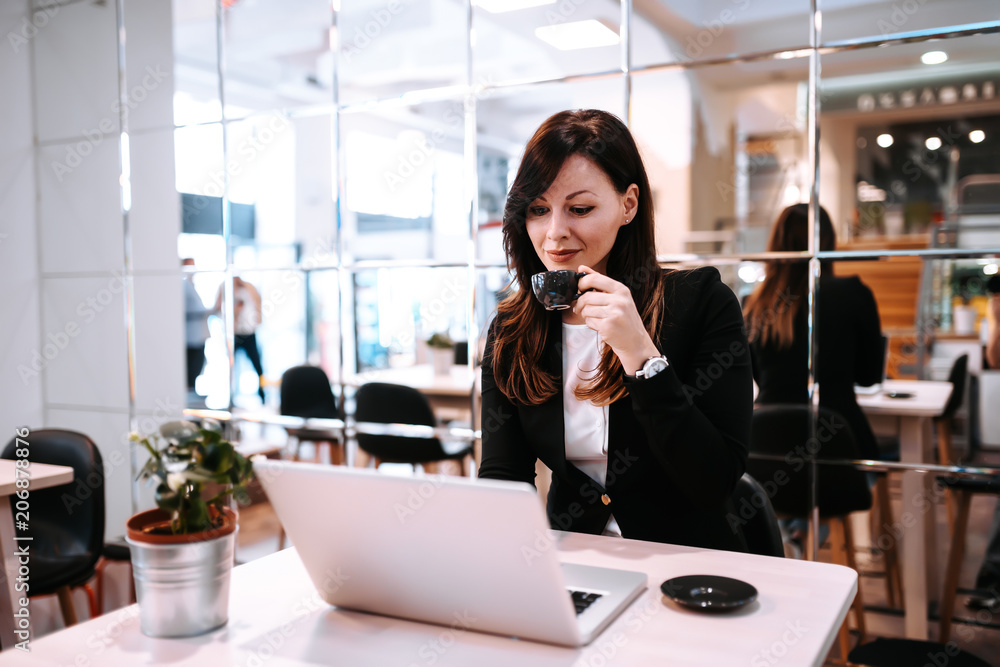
366,150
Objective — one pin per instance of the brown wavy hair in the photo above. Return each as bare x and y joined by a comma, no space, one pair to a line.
522,324
770,311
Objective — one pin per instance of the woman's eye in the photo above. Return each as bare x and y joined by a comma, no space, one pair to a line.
537,211
582,210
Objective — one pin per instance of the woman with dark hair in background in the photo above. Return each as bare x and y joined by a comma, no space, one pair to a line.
850,347
639,397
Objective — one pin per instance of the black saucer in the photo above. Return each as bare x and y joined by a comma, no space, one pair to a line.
709,592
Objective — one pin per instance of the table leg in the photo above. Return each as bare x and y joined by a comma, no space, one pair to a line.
917,520
7,595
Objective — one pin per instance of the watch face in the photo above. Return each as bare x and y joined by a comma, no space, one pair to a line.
653,366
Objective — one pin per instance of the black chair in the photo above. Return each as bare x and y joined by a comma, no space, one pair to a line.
760,527
782,432
885,652
384,403
306,392
67,522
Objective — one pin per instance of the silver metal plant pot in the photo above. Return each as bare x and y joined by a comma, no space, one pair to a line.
183,589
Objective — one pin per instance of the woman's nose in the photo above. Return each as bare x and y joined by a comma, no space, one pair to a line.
558,227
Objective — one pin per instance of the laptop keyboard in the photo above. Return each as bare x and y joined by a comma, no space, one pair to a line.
582,600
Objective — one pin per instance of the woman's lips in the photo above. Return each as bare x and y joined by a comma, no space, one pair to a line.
561,255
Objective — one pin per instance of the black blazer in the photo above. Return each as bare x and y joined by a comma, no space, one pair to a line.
677,443
850,351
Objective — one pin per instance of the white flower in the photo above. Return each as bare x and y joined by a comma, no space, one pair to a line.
175,481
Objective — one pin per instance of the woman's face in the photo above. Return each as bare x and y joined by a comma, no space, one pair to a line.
577,219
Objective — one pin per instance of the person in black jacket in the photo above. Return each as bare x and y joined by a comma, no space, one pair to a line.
850,347
639,397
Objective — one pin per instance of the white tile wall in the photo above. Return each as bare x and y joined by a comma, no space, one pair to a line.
159,343
89,368
76,72
109,431
149,64
22,398
155,217
80,215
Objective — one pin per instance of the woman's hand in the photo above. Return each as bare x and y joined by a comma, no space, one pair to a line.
607,307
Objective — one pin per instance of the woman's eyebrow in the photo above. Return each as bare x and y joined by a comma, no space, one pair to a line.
578,192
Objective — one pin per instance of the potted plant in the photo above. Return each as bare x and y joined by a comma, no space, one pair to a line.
182,551
442,349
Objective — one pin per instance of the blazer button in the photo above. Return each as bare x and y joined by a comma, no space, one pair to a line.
606,499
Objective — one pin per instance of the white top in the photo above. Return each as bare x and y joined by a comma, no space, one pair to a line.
586,424
277,619
249,315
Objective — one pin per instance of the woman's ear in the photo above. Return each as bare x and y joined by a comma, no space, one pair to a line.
630,202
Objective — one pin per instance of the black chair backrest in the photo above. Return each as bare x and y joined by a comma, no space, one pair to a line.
306,392
957,377
384,403
782,431
755,515
64,520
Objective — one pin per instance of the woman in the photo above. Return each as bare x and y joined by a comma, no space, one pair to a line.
850,345
639,397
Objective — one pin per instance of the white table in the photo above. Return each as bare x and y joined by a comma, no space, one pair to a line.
42,476
912,419
277,619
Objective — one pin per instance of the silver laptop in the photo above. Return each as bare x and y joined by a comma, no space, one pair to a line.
476,554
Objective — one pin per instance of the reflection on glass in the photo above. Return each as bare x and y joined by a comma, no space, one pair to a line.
674,31
546,41
404,194
397,311
387,49
200,180
726,151
196,62
277,57
907,152
880,18
281,191
207,361
323,322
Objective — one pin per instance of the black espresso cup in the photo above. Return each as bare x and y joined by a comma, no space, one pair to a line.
556,290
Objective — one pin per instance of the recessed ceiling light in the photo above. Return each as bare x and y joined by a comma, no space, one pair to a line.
884,140
934,57
502,6
976,136
933,143
577,35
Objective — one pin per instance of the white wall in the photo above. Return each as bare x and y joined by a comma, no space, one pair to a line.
21,403
64,337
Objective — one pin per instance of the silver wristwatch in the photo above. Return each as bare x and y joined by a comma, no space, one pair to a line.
652,366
